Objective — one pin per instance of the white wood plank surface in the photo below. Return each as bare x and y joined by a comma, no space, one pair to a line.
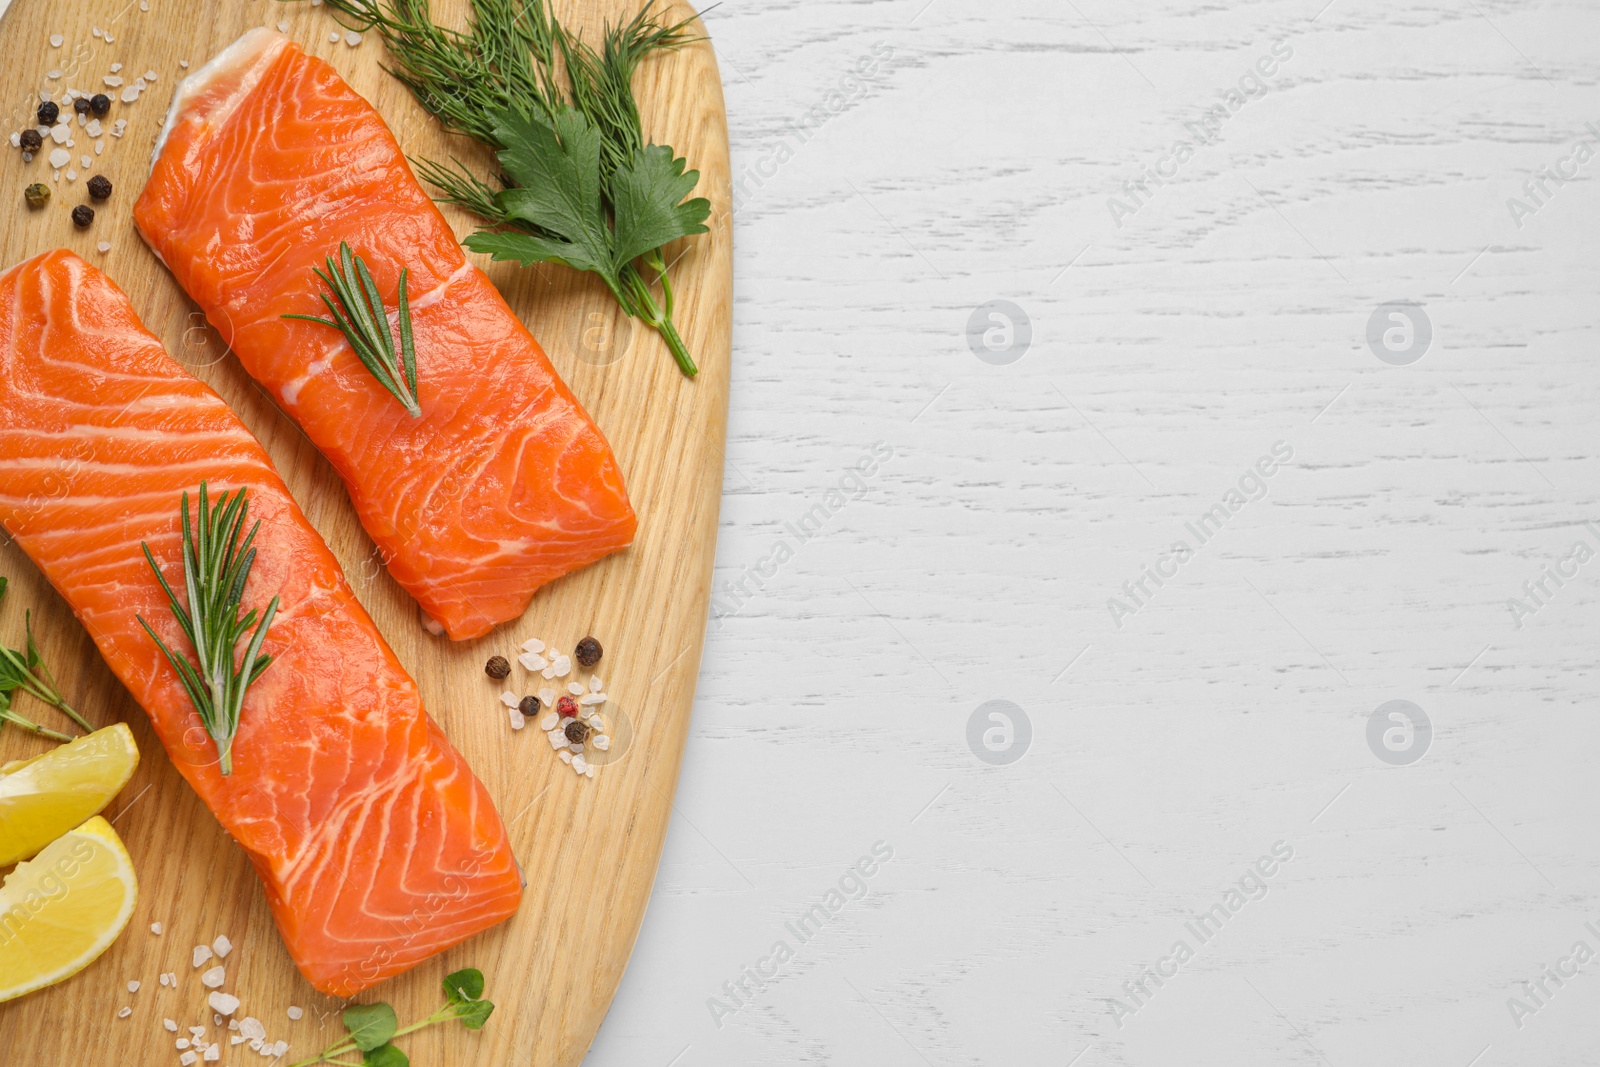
1230,713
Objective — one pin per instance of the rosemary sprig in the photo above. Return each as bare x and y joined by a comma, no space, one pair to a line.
360,316
516,61
26,671
216,564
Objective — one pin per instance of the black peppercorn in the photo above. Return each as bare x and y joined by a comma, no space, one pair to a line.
82,215
31,141
99,187
577,731
99,103
588,652
81,105
529,706
497,667
49,111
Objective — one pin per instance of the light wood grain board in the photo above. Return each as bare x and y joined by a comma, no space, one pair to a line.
588,848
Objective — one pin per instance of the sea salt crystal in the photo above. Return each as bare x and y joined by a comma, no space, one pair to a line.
601,741
533,644
222,946
44,96
86,162
548,673
589,773
53,75
352,38
197,1030
56,40
144,5
518,720
575,688
181,1043
59,157
233,1024
532,661
170,1025
98,32
510,699
133,987
104,246
550,720
565,756
295,1013
93,128
116,68
16,140
595,684
130,94
283,27
547,697
557,739
214,978
113,80
592,698
223,1003
109,38
579,764
149,75
124,1013
201,954
563,667
188,1059
59,133
333,38
212,1054
27,157
184,63
252,1029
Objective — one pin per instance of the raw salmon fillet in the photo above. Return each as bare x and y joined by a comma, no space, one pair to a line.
376,844
268,162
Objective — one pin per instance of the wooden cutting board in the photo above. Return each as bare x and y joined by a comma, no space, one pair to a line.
588,847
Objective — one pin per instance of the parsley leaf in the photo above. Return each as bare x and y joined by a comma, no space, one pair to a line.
370,1025
647,197
385,1056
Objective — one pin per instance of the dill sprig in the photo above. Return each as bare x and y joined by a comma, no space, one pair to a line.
359,314
26,670
216,565
517,67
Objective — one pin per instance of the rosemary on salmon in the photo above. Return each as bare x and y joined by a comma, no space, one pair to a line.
578,183
358,313
216,565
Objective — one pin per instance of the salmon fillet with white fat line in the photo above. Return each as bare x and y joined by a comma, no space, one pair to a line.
376,845
269,161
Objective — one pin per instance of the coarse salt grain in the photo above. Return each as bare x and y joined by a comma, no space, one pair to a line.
549,721
59,157
518,720
124,1013
564,755
563,667
214,978
547,697
252,1029
333,38
533,644
575,688
595,684
295,1013
223,1003
283,27
222,946
548,673
149,75
579,764
93,127
510,699
352,38
188,1059
130,94
589,771
212,1054
53,74
133,987
170,1025
201,954
16,140
116,68
600,741
589,699
557,739
109,38
113,80
56,40
181,1043
104,246
85,162
59,134
99,147
97,31
184,63
532,661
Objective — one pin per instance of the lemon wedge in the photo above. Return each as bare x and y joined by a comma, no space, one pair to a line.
63,908
43,798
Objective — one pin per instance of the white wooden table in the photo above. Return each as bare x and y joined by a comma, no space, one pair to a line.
1229,711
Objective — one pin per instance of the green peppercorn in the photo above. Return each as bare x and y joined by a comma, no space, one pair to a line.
497,668
37,194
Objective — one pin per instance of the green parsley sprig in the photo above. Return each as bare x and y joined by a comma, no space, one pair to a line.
216,565
579,183
358,312
26,670
373,1027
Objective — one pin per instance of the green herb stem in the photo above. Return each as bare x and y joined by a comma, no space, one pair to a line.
7,715
360,315
216,566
